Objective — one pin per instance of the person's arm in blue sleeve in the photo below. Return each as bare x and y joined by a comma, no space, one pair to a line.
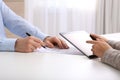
18,25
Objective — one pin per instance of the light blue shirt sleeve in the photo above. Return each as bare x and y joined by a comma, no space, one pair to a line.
16,25
7,45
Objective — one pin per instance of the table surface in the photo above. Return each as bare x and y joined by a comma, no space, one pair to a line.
52,66
55,66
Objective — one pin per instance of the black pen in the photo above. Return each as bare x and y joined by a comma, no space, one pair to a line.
30,35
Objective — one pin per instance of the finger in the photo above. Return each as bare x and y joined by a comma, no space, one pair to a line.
65,46
32,48
92,46
36,45
100,40
58,42
29,45
95,35
91,42
29,49
92,51
49,44
36,39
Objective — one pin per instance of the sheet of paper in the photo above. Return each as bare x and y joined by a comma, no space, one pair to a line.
71,50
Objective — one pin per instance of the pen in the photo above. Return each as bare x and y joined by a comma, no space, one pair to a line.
30,35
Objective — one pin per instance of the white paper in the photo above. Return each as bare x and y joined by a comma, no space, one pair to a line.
71,50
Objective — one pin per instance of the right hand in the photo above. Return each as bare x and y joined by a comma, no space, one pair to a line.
99,37
28,44
99,47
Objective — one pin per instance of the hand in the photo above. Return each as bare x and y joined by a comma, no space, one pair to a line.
99,47
99,37
28,44
51,42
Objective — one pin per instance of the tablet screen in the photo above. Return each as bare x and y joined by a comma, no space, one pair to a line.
78,39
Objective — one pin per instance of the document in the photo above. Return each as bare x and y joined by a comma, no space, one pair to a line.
78,40
72,50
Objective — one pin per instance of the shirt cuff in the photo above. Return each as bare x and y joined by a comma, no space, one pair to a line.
7,44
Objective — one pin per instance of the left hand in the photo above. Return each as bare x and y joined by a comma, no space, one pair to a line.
51,42
99,47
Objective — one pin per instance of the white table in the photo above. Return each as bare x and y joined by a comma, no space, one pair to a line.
52,66
55,66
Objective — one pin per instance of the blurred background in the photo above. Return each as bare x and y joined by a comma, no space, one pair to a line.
54,16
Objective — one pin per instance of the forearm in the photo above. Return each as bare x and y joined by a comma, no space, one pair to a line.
7,45
114,44
112,57
18,25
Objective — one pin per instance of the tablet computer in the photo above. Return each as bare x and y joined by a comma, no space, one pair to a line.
78,40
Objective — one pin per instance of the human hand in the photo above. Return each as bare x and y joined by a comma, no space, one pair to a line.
99,37
51,42
99,47
28,44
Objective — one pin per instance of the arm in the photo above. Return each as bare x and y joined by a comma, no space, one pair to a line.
112,57
114,44
107,54
18,25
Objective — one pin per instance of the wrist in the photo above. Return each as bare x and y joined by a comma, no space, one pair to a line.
16,44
